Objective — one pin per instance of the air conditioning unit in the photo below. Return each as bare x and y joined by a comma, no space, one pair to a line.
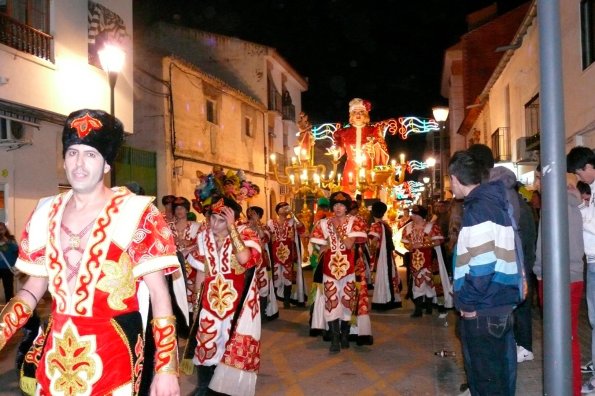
524,155
12,134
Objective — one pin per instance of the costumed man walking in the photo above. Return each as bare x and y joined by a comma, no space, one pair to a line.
360,142
269,309
286,254
101,253
386,282
338,302
227,341
420,237
185,232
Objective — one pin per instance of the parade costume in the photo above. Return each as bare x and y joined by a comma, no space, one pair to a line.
264,280
190,260
286,257
339,296
425,266
227,349
386,282
95,340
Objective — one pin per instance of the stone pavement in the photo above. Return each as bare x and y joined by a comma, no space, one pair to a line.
401,361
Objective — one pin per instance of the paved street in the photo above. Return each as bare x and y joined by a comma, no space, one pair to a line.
401,361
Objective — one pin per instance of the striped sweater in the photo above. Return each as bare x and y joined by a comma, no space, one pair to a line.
486,275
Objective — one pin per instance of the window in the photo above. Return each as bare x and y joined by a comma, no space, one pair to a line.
212,111
29,12
588,31
248,130
532,126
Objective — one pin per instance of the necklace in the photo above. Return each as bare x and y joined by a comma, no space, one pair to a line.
74,240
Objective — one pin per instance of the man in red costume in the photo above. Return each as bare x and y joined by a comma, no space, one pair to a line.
101,253
339,300
363,144
286,254
227,349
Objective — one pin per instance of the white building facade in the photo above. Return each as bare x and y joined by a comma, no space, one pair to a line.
46,72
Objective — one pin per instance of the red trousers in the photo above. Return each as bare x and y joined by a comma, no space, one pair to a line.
576,294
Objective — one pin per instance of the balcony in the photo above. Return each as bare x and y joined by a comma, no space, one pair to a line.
501,145
25,38
288,112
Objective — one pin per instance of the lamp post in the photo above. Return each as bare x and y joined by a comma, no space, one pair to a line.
431,162
112,61
426,181
440,115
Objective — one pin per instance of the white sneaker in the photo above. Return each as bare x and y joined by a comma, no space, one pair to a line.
587,368
522,355
589,386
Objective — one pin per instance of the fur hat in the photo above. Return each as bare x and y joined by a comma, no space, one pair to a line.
379,209
359,104
340,197
94,128
279,206
167,199
181,201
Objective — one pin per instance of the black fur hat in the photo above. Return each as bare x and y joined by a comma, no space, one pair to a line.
94,128
342,198
379,209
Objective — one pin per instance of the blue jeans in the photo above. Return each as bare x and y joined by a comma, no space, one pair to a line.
591,304
489,353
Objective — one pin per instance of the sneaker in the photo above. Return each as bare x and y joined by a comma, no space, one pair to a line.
522,355
588,386
587,368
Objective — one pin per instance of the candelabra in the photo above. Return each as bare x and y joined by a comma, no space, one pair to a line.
304,177
369,180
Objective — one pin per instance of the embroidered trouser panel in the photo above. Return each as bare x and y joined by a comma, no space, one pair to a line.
339,297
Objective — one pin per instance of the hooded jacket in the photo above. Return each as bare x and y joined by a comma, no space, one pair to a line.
486,277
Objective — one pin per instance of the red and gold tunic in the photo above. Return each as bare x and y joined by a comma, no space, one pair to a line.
422,264
185,240
231,346
284,250
95,342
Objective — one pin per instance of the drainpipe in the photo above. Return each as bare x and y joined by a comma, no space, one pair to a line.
557,364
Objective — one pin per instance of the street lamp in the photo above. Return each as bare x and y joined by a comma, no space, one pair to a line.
112,61
426,181
440,115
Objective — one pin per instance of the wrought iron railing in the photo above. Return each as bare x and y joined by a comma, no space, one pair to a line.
25,38
289,112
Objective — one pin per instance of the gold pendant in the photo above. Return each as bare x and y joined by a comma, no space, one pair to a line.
74,241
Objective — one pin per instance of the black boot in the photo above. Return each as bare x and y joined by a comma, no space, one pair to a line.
429,304
286,296
345,326
205,373
263,309
335,329
418,312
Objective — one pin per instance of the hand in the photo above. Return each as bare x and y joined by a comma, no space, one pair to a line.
165,385
229,215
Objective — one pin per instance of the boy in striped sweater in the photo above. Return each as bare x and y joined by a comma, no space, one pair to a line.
486,279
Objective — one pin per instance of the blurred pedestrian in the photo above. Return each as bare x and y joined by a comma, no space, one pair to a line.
9,251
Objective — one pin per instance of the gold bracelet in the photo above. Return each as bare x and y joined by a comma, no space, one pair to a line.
237,241
14,316
166,345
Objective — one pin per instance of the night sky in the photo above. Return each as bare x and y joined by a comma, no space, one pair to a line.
387,51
